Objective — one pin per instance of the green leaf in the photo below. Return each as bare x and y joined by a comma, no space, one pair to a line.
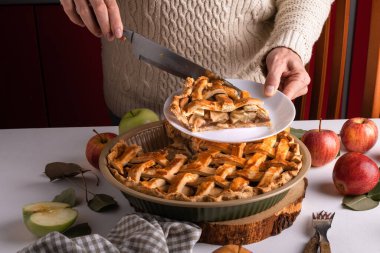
59,170
67,196
375,193
78,230
359,203
102,202
297,132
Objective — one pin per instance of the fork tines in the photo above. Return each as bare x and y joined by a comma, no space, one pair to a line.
323,215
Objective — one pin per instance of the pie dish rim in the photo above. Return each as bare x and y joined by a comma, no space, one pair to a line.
306,163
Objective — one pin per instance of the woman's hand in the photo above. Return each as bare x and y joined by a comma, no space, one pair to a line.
101,17
286,72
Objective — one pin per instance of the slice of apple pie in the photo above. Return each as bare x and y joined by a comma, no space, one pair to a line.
207,104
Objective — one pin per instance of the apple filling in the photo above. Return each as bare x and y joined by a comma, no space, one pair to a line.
209,105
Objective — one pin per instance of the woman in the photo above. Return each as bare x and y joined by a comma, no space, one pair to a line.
267,41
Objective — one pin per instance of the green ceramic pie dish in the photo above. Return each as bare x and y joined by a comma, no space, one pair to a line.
151,137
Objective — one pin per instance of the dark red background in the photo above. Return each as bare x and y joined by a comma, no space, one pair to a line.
51,72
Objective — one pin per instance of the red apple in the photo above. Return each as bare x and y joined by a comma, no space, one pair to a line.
95,146
323,145
359,134
355,174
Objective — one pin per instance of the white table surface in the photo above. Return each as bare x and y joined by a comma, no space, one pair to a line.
25,152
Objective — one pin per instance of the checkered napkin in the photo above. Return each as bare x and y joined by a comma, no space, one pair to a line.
138,232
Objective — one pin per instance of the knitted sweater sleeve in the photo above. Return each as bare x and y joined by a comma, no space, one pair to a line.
298,24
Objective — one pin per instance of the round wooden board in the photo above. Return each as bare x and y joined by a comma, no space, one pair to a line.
257,227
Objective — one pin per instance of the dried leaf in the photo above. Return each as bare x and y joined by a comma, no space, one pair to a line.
59,170
78,230
102,202
297,132
375,193
67,196
360,202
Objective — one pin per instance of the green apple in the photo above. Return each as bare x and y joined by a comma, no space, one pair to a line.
42,218
135,118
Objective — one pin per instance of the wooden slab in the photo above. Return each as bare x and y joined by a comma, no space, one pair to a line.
257,227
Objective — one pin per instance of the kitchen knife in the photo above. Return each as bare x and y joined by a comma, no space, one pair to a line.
163,58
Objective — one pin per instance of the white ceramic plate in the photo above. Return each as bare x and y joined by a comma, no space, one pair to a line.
281,112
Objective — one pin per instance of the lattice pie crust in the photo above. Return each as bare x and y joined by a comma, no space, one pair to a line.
192,169
210,105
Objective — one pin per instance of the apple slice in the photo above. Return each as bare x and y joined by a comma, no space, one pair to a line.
44,217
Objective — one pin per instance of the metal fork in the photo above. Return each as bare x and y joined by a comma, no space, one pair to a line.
322,222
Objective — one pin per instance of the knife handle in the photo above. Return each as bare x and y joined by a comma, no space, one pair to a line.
128,34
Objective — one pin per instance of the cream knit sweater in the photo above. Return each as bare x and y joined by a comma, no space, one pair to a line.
230,37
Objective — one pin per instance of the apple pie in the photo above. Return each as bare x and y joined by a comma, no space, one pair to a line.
192,169
208,104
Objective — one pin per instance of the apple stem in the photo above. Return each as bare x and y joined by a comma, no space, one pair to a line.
102,140
80,186
320,124
132,113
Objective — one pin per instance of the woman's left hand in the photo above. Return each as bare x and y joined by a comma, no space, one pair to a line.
286,72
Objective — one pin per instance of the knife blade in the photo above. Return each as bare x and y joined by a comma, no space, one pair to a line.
163,58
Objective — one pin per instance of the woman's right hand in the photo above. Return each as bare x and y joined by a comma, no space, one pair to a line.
101,17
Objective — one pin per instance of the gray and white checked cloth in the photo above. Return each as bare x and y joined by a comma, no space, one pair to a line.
138,232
